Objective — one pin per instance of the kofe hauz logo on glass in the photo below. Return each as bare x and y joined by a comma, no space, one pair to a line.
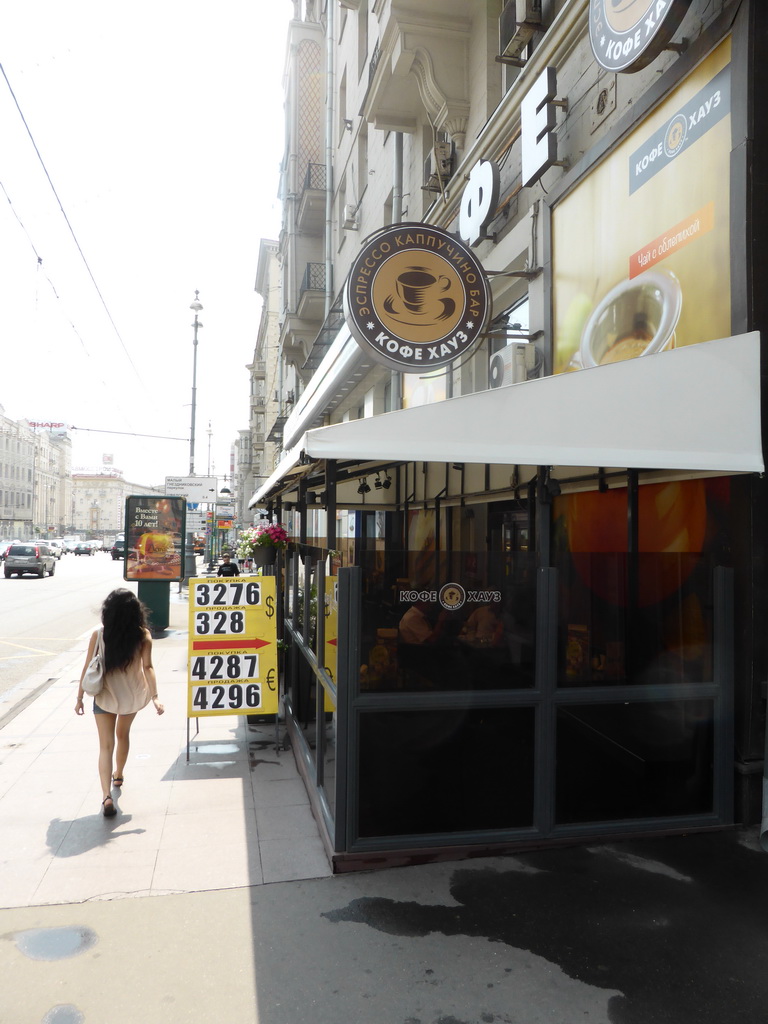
416,298
626,35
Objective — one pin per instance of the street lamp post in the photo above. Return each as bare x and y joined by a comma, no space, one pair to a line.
196,307
190,565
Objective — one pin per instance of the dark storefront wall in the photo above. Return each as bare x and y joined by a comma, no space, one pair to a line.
588,698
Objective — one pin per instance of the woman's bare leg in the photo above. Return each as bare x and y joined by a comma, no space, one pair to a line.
123,731
105,723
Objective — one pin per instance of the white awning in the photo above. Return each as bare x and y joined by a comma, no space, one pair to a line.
694,408
289,465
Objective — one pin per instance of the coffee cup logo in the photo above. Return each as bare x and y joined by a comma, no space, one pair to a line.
416,297
420,290
626,35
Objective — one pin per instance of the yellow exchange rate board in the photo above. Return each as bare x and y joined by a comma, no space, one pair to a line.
232,646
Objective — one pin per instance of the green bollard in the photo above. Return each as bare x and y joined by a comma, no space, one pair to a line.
155,595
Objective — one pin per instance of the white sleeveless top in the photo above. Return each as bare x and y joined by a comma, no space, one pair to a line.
125,691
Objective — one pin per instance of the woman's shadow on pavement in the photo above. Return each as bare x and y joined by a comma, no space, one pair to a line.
71,838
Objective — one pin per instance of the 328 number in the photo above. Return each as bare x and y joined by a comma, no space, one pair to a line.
218,623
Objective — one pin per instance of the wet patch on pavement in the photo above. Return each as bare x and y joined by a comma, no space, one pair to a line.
55,943
677,925
64,1013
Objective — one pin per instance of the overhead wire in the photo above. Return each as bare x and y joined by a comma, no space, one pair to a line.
69,226
41,265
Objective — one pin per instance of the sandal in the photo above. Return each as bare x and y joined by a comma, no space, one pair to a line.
109,811
117,780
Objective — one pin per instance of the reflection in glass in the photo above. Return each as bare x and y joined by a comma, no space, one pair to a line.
641,760
471,629
329,762
445,770
642,619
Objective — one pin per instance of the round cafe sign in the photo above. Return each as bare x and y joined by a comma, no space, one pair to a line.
416,298
626,35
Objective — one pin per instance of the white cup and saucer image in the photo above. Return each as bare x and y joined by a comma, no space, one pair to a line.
636,318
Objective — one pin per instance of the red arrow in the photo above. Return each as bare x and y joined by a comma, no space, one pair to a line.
334,641
232,644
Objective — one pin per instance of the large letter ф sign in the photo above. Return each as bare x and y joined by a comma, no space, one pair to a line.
479,202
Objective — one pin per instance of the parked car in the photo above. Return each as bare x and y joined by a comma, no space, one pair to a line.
34,558
118,549
83,548
5,545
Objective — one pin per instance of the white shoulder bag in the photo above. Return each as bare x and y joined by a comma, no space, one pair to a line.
93,680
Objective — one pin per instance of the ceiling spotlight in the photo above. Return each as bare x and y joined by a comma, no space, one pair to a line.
364,487
386,483
377,483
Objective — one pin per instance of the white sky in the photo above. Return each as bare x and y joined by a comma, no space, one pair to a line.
161,127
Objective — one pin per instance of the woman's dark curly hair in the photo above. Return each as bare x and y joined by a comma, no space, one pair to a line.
124,618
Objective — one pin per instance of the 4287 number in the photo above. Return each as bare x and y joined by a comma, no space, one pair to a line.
224,666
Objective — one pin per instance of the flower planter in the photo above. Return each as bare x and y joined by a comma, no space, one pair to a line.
263,556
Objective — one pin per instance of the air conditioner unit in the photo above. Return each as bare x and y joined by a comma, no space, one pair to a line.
517,24
350,217
512,364
438,167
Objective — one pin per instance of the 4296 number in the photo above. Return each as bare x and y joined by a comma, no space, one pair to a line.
226,698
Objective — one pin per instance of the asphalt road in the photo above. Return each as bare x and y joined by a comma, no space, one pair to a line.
41,618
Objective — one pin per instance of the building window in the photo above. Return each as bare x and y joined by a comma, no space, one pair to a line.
362,37
342,104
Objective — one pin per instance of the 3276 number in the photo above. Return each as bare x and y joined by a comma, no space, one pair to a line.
227,593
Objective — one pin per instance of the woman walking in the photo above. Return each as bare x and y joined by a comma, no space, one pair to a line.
129,685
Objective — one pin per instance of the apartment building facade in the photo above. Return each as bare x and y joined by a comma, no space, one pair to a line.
35,479
523,466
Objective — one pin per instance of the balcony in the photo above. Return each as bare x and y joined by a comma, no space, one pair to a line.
310,217
421,62
311,304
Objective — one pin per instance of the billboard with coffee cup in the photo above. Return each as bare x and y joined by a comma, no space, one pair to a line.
642,243
416,298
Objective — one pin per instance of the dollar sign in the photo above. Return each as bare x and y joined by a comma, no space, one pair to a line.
479,202
271,680
270,603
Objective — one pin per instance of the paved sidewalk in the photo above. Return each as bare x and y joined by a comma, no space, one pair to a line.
236,815
162,915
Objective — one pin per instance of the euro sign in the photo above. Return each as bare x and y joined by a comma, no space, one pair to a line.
271,684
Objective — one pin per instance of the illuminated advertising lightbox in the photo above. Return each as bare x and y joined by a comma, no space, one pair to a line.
642,245
154,537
